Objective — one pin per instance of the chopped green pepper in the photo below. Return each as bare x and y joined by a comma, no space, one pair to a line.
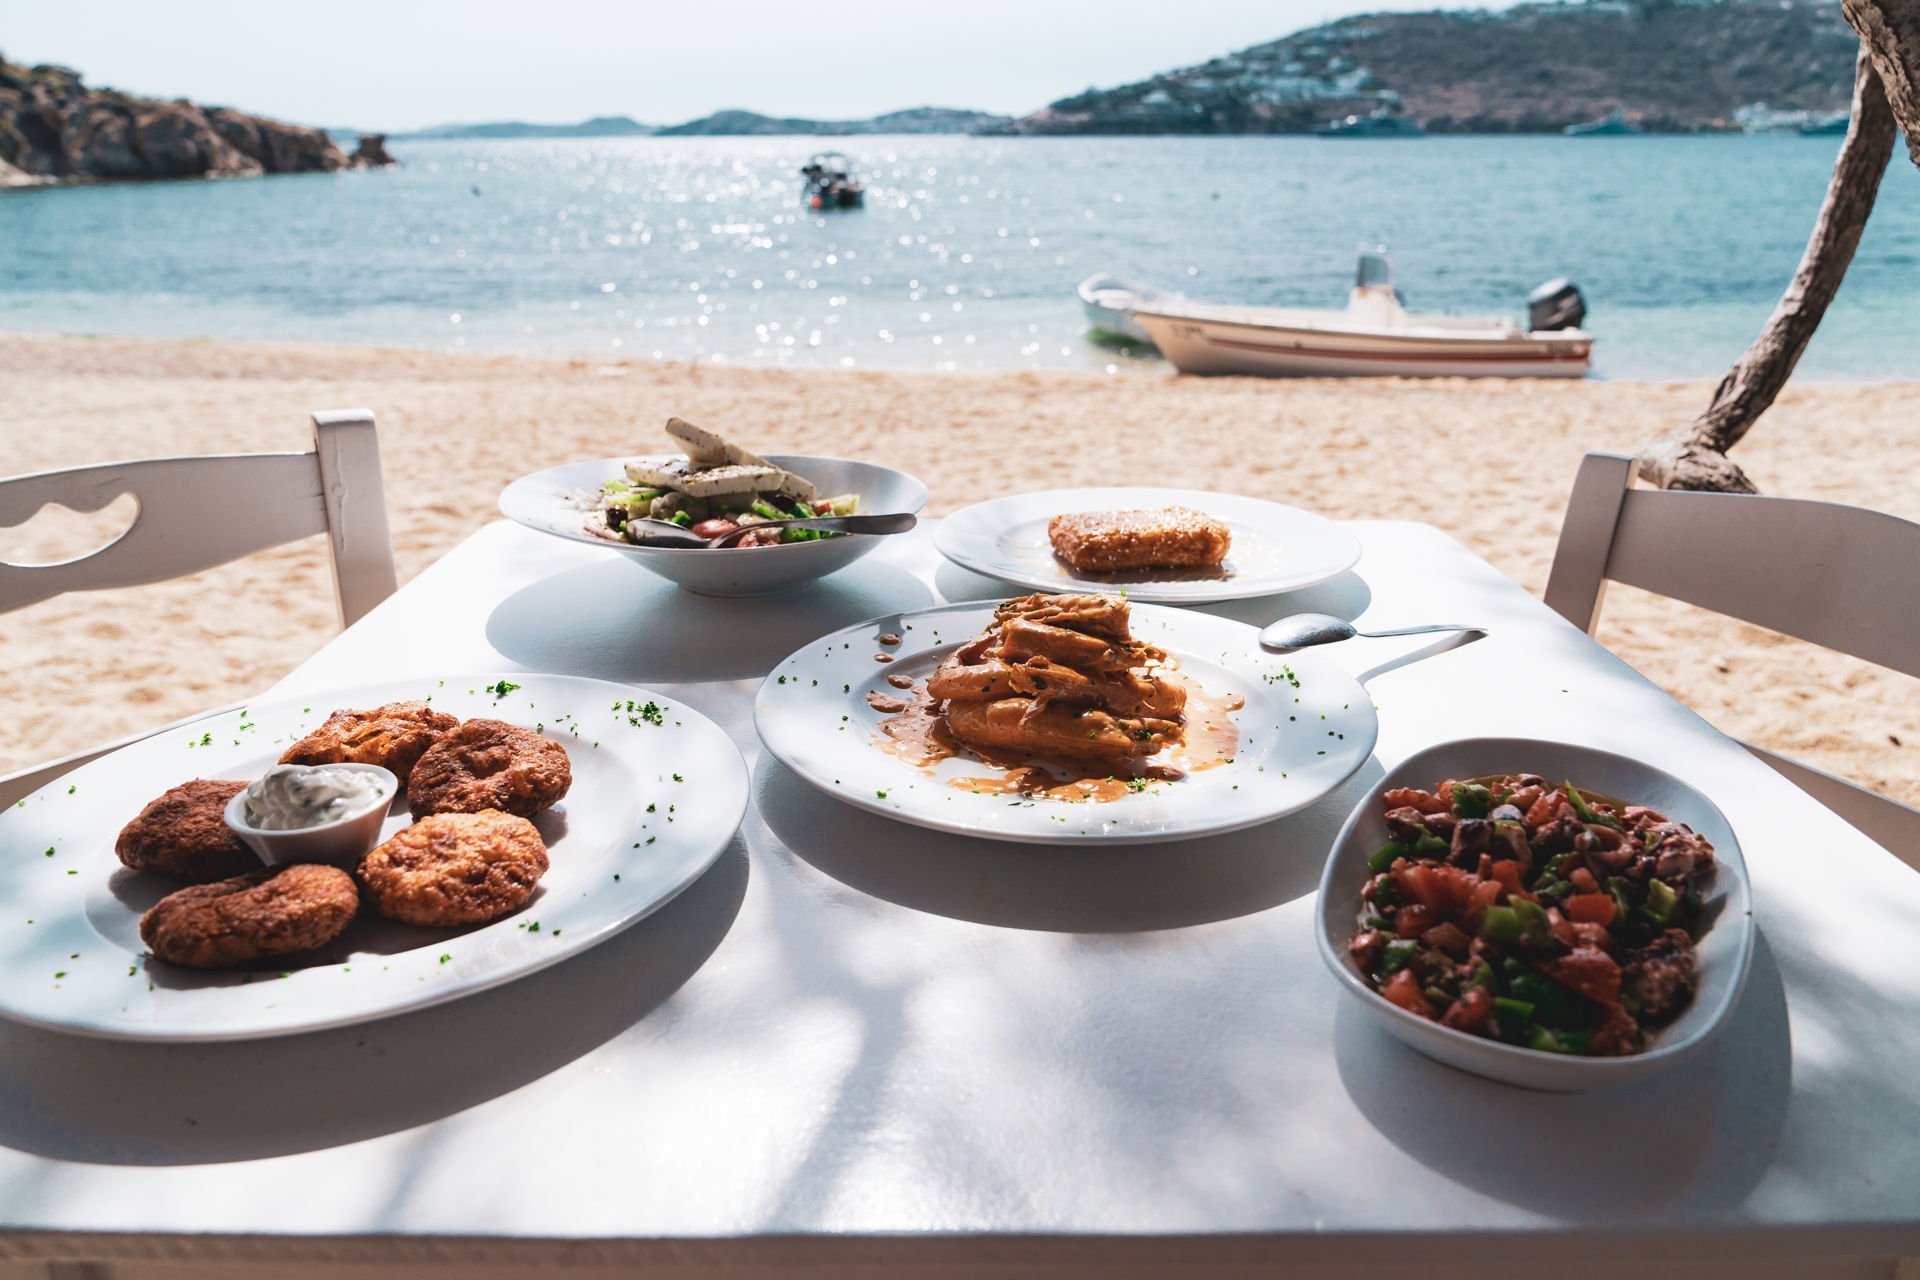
1471,800
1512,1017
1661,900
1587,814
1429,843
1383,859
1501,925
1395,956
1536,931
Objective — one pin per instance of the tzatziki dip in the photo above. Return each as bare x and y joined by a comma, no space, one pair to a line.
292,797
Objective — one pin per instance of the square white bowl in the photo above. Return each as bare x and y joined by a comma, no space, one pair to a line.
1725,950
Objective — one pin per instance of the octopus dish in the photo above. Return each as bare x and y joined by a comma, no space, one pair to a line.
274,911
1061,678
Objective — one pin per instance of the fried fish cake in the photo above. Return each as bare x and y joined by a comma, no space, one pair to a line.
1167,538
455,868
275,911
490,764
184,835
394,737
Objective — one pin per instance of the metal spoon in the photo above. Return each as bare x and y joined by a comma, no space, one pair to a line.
665,533
1304,630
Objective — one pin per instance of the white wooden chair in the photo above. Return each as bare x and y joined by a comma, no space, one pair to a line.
1839,576
195,513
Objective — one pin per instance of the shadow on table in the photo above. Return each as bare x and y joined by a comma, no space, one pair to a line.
1698,1136
1065,888
107,1102
615,621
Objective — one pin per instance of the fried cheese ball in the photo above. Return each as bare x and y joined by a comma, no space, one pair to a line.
394,737
275,911
184,835
455,868
490,764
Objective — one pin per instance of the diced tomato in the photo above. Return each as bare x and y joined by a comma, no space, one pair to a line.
1485,894
1590,908
1449,938
823,508
1413,920
1582,879
1403,989
1444,889
1471,1012
712,528
1588,970
1507,875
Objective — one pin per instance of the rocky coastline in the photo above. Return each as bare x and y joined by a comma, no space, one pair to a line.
55,129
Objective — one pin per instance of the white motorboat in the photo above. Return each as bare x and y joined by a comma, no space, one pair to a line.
1373,337
1109,302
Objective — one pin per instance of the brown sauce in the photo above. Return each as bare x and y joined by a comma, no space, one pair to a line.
889,639
884,705
883,657
918,734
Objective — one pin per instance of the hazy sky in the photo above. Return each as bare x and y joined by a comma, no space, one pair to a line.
400,64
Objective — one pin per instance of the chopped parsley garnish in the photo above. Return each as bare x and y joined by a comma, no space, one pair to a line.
444,957
501,688
653,713
678,778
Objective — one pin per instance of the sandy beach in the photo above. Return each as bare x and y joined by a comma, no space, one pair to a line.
1491,463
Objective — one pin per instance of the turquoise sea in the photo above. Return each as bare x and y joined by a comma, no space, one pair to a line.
968,249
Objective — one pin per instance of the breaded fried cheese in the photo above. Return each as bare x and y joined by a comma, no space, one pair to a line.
394,737
275,911
490,764
184,834
452,869
1166,538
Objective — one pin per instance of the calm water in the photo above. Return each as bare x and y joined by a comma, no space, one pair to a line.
968,250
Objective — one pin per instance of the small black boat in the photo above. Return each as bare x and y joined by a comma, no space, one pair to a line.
830,182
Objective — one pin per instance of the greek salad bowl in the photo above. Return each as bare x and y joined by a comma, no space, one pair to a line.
1556,966
560,501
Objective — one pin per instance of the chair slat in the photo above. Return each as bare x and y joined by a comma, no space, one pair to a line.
1578,580
195,513
1839,576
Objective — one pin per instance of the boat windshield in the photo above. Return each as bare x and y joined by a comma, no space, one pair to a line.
1374,269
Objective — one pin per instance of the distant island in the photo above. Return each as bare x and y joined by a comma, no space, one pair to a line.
598,127
1665,66
911,120
53,128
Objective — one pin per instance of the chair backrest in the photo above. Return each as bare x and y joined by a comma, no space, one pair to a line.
195,513
1839,576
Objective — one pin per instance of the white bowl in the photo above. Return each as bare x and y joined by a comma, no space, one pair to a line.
341,843
1724,951
547,501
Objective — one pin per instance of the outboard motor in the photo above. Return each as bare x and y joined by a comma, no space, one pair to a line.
1557,304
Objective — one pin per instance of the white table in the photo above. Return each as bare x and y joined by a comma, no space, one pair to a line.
855,1042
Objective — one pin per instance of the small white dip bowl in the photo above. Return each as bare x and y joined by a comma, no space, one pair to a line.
341,842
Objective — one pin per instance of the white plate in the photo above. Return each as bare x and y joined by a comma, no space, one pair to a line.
1298,743
549,501
1724,951
1275,548
70,950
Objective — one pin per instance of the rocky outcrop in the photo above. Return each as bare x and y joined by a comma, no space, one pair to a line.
372,153
52,127
734,123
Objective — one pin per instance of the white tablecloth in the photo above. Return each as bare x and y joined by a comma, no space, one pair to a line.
855,1040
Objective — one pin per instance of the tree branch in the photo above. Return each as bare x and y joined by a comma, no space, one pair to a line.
1695,456
1890,30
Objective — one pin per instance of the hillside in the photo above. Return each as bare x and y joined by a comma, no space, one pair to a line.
1533,68
54,128
911,120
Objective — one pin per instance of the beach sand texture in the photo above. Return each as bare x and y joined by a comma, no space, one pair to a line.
1489,462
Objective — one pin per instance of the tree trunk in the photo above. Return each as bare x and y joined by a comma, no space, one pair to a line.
1890,30
1695,456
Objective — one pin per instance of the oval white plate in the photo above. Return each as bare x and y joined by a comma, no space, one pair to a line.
1298,741
70,950
549,501
1275,548
1725,951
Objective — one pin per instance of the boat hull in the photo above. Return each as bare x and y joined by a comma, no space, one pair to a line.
1209,346
1107,302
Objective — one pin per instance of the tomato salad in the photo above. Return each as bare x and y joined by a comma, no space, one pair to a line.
1538,915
